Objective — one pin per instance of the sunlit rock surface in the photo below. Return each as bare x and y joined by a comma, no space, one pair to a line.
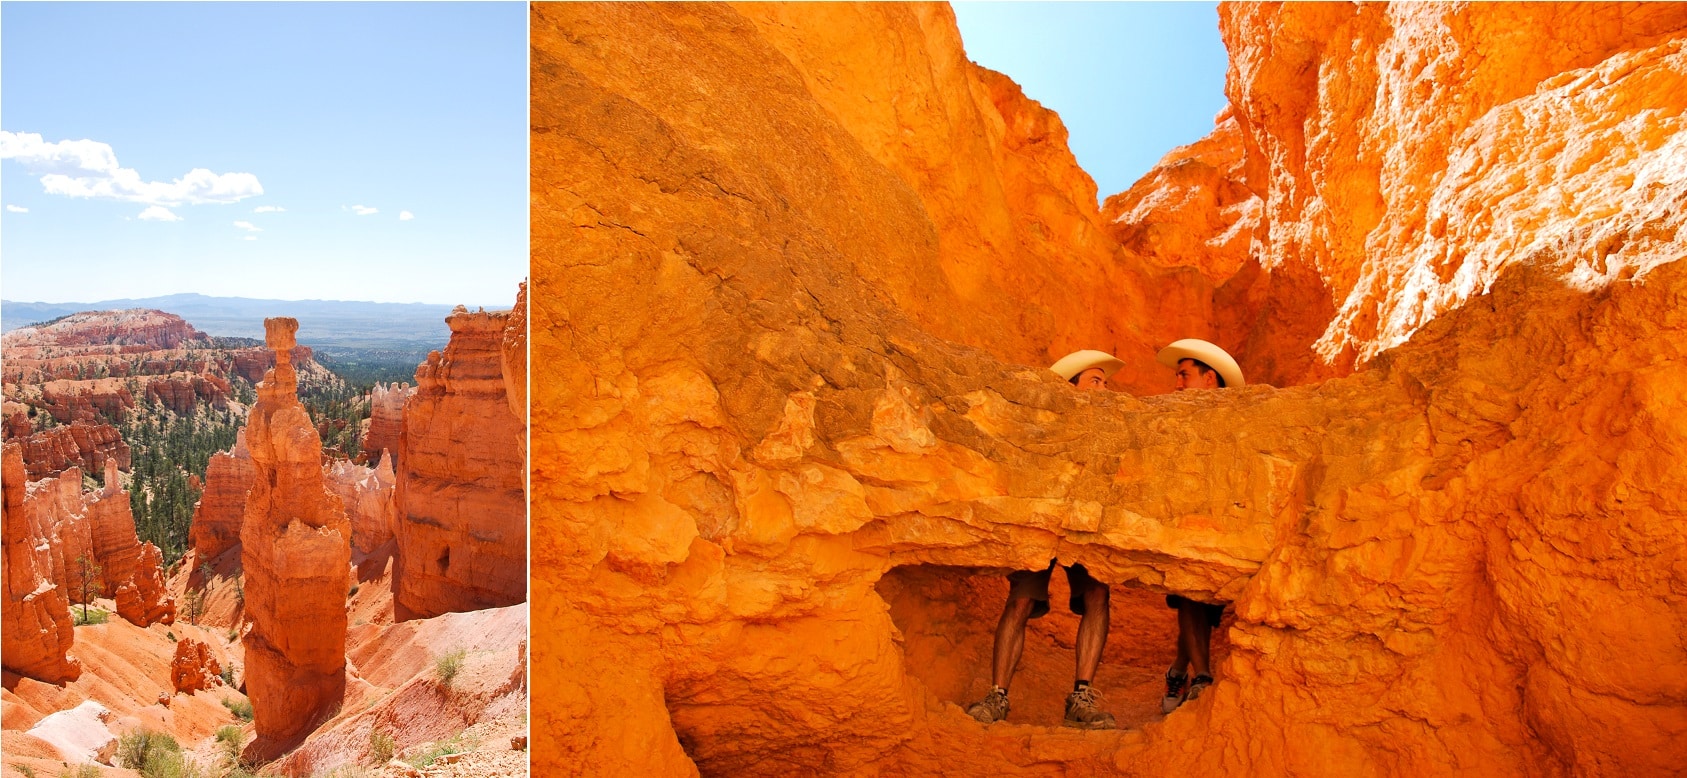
296,553
758,394
462,512
386,420
38,634
222,503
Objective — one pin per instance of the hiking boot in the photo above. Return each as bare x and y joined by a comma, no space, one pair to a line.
1199,684
1174,691
1083,710
991,709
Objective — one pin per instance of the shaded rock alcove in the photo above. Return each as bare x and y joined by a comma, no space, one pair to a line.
947,620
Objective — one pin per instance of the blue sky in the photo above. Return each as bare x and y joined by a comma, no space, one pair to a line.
388,141
1131,81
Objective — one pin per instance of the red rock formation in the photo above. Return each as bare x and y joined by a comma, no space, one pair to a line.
38,635
150,329
133,571
222,505
1463,559
368,496
386,420
180,392
95,401
1193,209
296,552
462,515
193,668
87,446
1408,154
252,363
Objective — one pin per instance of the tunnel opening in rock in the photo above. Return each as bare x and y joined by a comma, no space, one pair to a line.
948,616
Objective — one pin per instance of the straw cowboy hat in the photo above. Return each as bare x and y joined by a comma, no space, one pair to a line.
1079,361
1206,353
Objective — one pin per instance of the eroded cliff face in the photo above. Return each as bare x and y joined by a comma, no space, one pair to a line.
296,553
222,504
462,512
367,493
386,420
1466,557
38,634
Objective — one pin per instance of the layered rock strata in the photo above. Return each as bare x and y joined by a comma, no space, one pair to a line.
386,420
222,504
1466,558
88,446
296,554
462,513
38,635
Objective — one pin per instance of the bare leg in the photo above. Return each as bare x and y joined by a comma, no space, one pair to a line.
1202,642
1187,613
1010,639
1092,630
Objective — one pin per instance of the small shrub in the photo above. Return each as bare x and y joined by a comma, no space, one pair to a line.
381,746
231,739
154,755
228,676
233,634
28,772
242,709
171,636
82,617
446,665
353,592
83,770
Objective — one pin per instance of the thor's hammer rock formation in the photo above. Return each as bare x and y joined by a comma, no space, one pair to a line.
296,551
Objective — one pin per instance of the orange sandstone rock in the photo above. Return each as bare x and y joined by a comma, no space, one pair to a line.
133,570
38,633
386,420
296,553
222,505
193,668
367,493
1464,558
462,514
87,446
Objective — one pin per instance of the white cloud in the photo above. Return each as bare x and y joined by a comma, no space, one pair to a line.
405,216
364,210
17,209
158,213
248,226
269,209
86,168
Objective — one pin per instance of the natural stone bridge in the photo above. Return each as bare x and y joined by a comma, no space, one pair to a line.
775,364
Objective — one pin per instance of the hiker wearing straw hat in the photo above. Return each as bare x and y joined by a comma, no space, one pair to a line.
1028,598
1198,365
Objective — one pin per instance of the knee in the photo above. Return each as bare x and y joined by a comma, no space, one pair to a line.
1019,605
1097,595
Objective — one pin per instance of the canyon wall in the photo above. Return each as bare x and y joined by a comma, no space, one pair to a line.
296,554
1466,557
462,512
87,446
1405,155
367,493
38,635
222,504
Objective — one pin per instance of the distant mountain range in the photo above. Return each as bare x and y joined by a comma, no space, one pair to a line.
331,324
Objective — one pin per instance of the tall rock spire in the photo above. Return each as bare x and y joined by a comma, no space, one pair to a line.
296,549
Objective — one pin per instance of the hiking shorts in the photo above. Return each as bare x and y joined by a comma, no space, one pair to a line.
1214,612
1034,584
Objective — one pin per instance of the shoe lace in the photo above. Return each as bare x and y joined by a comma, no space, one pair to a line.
1088,696
996,700
1174,684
